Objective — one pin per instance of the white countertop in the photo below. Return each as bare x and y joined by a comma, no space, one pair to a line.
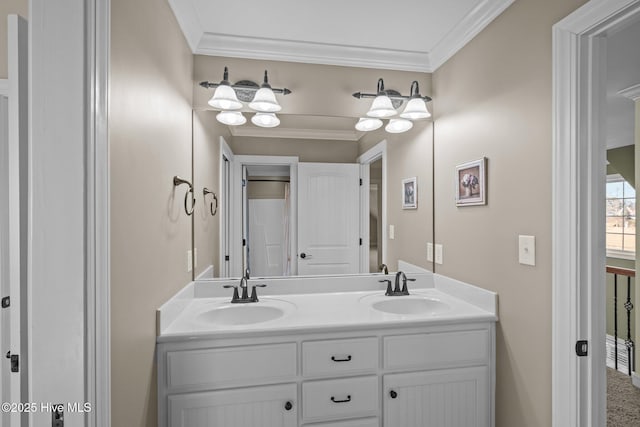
325,311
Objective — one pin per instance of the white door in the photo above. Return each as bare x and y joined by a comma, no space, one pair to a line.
13,222
443,398
273,406
328,218
266,237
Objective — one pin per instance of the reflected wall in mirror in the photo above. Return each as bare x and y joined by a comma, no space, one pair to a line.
278,223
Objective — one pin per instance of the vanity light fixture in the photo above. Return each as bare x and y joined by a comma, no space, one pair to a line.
229,98
385,105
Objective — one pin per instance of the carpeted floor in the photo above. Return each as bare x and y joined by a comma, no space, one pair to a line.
623,400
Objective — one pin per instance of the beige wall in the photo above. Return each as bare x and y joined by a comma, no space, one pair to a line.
409,154
7,7
206,173
150,142
308,150
493,99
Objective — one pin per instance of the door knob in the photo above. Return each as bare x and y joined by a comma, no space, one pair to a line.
303,255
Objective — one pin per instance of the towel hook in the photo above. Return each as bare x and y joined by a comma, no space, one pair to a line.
206,191
179,181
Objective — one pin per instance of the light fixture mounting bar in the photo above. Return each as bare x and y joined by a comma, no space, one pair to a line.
208,85
361,95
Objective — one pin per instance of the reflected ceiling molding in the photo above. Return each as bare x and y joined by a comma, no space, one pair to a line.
291,133
633,92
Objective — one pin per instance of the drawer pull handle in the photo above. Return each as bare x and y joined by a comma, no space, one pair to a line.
288,406
344,359
393,394
348,399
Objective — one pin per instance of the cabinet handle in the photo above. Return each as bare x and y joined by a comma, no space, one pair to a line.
393,394
288,406
348,399
345,359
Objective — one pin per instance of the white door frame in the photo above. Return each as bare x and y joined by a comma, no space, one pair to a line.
578,246
235,220
226,202
379,151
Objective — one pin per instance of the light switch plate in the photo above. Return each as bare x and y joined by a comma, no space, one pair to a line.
527,250
195,257
392,232
430,252
438,254
189,261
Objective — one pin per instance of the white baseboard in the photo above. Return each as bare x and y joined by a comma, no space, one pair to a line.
635,379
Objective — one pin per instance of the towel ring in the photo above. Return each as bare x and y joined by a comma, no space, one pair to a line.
179,181
206,191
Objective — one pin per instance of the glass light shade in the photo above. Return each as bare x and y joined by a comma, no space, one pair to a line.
231,118
224,98
416,109
398,125
368,124
265,101
381,107
265,120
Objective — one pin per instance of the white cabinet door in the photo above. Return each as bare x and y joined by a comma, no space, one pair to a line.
444,398
272,406
328,218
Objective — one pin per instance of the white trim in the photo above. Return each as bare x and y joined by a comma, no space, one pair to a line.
4,87
635,379
263,48
465,30
628,255
207,273
226,198
378,151
577,214
328,134
633,92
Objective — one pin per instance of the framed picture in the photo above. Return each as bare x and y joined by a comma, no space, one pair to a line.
410,193
470,183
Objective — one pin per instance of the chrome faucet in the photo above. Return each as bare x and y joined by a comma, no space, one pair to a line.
244,285
396,290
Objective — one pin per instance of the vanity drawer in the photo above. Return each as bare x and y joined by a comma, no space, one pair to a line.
437,349
334,357
231,366
364,422
351,397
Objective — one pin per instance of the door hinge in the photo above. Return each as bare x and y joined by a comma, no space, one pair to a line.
360,181
361,241
226,257
6,302
582,348
15,361
244,242
244,182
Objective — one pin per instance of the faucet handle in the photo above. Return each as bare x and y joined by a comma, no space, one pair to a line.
235,297
254,294
388,282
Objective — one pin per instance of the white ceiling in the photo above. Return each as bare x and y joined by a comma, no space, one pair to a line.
408,35
623,72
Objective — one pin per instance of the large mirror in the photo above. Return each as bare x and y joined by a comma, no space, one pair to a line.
312,195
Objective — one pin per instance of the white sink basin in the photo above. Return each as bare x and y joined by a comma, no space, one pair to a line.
416,305
244,314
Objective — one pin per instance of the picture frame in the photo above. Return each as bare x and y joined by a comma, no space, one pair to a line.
470,183
410,193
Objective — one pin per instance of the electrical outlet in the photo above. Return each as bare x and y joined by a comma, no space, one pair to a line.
189,261
430,252
527,250
438,254
392,232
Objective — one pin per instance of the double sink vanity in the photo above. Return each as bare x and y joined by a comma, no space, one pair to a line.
328,352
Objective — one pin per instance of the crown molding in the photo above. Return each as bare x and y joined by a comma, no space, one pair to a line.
465,30
292,133
633,92
4,87
188,21
311,53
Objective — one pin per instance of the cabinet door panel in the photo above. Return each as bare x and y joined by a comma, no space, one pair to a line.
446,398
248,407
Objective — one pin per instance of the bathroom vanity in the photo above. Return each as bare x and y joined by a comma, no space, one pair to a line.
310,354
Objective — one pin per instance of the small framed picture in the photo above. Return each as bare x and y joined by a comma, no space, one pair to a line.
470,183
410,193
